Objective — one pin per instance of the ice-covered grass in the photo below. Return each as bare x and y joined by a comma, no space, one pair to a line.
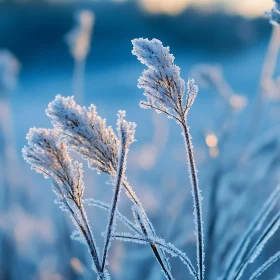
82,130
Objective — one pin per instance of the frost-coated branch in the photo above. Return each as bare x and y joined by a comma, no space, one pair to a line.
126,134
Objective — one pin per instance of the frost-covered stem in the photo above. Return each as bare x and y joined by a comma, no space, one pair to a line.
140,235
265,266
256,224
196,199
119,177
90,240
258,246
86,231
165,246
157,255
180,254
166,271
137,202
119,216
154,248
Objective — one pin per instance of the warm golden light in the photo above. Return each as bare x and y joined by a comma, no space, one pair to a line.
211,140
77,266
249,8
170,7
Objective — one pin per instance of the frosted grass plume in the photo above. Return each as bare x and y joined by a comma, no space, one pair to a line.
162,84
48,154
168,93
86,133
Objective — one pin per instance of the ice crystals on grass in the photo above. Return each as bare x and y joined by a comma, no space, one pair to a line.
47,154
126,130
162,84
86,133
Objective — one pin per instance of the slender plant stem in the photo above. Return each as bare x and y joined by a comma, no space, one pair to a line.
158,257
136,201
119,216
86,231
167,272
256,224
90,240
259,244
112,213
143,237
265,266
196,199
161,243
180,254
